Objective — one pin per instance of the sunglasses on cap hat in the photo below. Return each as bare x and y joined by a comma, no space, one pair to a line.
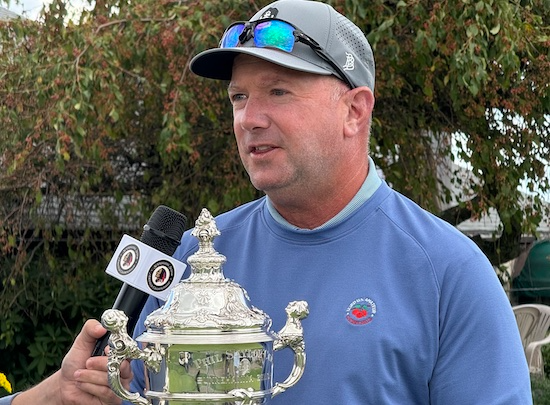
278,34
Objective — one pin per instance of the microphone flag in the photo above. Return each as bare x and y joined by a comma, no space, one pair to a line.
145,268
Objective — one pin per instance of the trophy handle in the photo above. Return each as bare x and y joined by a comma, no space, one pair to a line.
292,335
123,347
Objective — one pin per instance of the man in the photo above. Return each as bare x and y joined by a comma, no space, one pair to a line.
404,309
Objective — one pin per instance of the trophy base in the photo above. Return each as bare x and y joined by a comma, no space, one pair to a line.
236,397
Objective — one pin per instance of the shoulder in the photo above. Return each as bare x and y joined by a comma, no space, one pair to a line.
450,256
422,226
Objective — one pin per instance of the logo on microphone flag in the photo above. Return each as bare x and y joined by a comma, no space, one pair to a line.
160,276
128,259
145,268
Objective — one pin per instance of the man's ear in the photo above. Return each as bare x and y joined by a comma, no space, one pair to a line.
360,102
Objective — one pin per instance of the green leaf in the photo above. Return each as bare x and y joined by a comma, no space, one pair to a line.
472,31
114,115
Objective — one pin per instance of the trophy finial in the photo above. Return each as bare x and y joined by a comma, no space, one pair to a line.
205,231
206,263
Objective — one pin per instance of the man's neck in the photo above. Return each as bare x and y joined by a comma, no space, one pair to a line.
315,212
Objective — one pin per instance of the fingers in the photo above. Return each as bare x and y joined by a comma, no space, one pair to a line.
86,339
96,384
82,348
83,378
92,330
126,371
92,377
98,365
90,382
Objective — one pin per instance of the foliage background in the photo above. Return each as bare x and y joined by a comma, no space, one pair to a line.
101,121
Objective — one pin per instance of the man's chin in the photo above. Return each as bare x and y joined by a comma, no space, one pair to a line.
266,186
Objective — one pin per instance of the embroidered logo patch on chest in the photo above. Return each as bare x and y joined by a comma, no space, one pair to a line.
361,311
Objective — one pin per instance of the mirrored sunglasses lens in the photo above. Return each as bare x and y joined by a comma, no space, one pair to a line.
231,37
276,34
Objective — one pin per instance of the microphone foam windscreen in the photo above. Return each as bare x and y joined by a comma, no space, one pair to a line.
164,230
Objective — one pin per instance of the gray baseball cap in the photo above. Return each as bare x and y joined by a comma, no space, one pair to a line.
345,46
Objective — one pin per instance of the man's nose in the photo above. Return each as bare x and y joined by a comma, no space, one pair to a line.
253,116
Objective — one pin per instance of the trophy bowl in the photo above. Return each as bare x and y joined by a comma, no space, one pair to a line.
207,344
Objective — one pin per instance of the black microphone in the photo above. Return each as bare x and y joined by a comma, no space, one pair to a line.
162,232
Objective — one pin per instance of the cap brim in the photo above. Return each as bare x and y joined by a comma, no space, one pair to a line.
217,63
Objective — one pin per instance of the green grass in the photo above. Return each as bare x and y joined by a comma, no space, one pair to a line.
541,386
541,390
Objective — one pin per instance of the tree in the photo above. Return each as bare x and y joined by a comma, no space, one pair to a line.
101,120
477,71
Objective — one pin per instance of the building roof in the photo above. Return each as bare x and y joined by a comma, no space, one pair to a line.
6,14
489,226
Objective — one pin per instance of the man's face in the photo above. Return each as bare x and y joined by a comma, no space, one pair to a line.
288,126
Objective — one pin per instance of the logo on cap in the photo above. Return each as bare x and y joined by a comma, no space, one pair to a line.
270,13
350,62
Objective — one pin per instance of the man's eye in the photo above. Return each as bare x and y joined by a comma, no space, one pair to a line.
278,92
236,97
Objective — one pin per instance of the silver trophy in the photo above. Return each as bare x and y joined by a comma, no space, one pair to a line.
207,344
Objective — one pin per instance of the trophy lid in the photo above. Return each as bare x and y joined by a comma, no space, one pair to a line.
207,307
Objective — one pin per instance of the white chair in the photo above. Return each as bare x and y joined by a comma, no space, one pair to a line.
533,322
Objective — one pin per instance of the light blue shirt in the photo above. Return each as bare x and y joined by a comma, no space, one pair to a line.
7,400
